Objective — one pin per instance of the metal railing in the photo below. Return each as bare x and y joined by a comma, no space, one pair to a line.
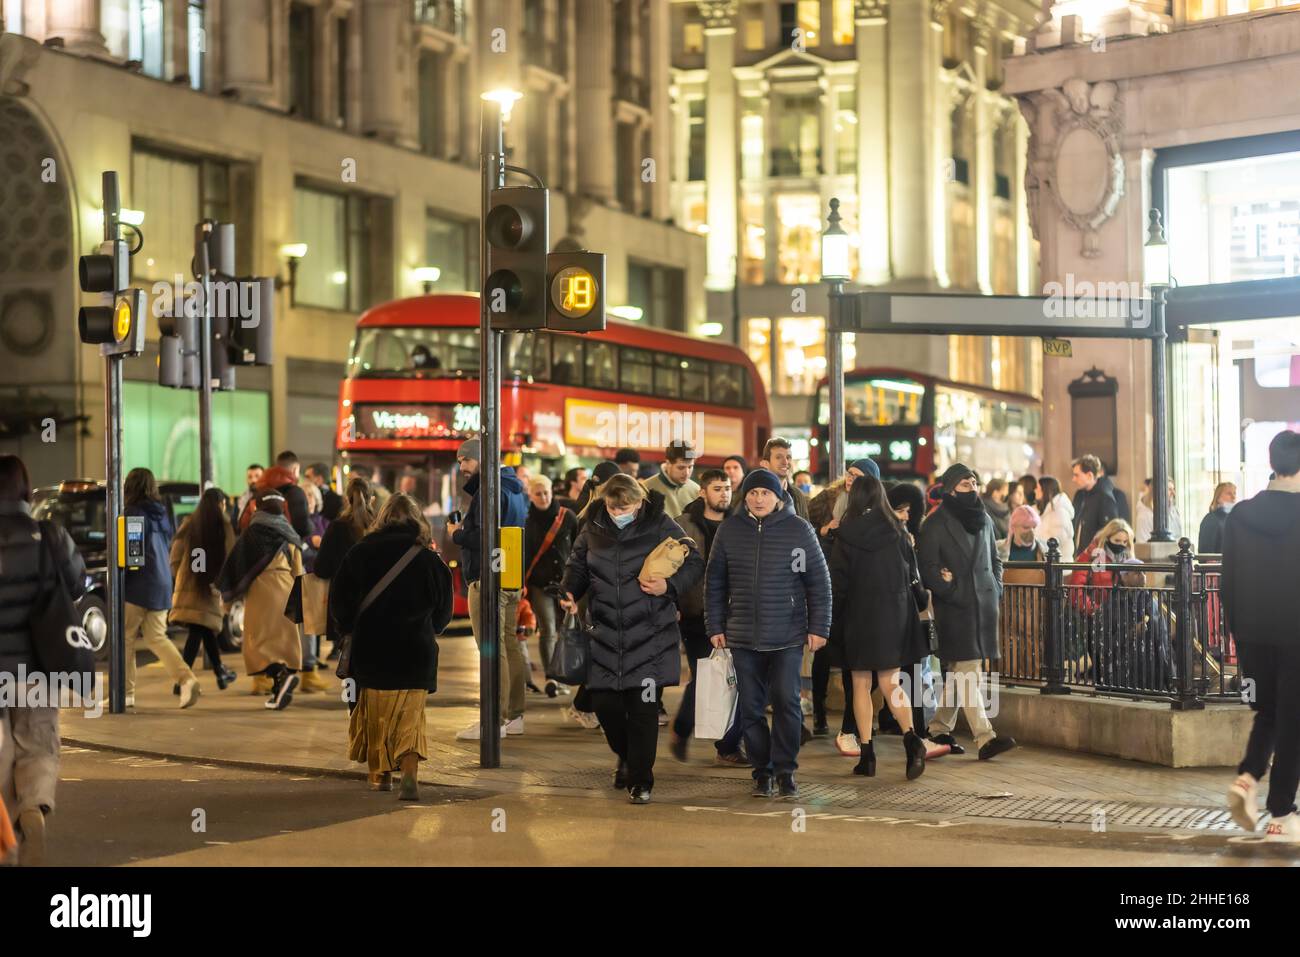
1154,630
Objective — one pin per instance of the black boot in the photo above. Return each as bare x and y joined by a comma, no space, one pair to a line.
866,765
915,748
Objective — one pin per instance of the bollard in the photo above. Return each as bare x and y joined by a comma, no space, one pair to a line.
1053,639
1187,699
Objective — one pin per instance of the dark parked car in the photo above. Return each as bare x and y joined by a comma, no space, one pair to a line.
78,505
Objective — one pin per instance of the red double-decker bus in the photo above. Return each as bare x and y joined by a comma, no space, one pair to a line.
411,397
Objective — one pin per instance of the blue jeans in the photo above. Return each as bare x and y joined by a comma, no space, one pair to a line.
774,676
697,646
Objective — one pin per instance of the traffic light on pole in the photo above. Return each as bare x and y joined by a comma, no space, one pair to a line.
575,291
117,326
518,236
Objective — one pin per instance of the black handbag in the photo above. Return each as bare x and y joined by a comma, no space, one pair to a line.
61,645
572,655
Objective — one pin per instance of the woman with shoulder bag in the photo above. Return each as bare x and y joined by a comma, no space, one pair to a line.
198,551
29,736
393,596
261,569
548,539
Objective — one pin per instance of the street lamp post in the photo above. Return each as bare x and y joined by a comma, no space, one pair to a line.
1155,263
835,271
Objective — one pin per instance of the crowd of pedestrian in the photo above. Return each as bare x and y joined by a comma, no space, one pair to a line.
872,579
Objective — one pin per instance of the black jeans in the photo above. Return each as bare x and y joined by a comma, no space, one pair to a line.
631,727
821,682
697,646
1275,671
208,639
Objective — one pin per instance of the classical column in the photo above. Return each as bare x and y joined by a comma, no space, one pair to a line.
595,99
873,141
388,68
1025,280
246,45
982,175
720,141
939,169
76,23
913,68
659,76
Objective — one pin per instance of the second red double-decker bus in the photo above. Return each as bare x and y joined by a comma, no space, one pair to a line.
916,425
411,397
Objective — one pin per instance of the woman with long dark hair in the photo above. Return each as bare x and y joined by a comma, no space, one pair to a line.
149,589
875,614
198,551
1057,514
344,532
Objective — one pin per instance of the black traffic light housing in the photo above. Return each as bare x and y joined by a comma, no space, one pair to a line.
575,291
517,229
117,325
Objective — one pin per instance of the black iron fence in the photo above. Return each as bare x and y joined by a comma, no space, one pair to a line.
1140,630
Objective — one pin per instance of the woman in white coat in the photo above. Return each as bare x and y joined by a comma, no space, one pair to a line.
1057,514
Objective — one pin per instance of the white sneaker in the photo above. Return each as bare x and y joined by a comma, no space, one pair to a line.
130,701
848,745
189,692
1283,830
513,726
1243,802
472,733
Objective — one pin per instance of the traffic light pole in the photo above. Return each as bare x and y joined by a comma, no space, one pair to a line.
115,575
492,160
203,266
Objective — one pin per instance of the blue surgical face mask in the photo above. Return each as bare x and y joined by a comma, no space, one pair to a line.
805,487
623,521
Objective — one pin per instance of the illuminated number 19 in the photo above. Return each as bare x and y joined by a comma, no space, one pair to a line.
578,293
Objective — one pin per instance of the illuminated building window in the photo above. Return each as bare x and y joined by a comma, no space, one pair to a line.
753,239
693,37
846,131
797,150
135,30
446,246
758,344
755,38
347,235
799,225
842,22
805,16
696,138
800,354
752,121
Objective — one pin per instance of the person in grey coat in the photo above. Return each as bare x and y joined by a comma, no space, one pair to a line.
959,560
767,594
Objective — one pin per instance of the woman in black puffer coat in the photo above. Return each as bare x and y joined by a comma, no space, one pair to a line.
875,619
634,634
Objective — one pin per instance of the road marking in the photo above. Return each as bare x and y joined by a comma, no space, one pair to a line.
856,818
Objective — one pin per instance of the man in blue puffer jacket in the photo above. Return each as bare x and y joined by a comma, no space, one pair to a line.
767,594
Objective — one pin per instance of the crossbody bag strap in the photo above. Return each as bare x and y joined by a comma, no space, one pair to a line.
546,542
387,580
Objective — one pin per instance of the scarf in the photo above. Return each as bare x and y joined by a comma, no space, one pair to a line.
969,512
255,549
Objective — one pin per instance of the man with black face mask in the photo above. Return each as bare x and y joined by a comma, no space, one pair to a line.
958,554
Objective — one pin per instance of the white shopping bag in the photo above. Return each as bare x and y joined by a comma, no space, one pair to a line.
716,694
